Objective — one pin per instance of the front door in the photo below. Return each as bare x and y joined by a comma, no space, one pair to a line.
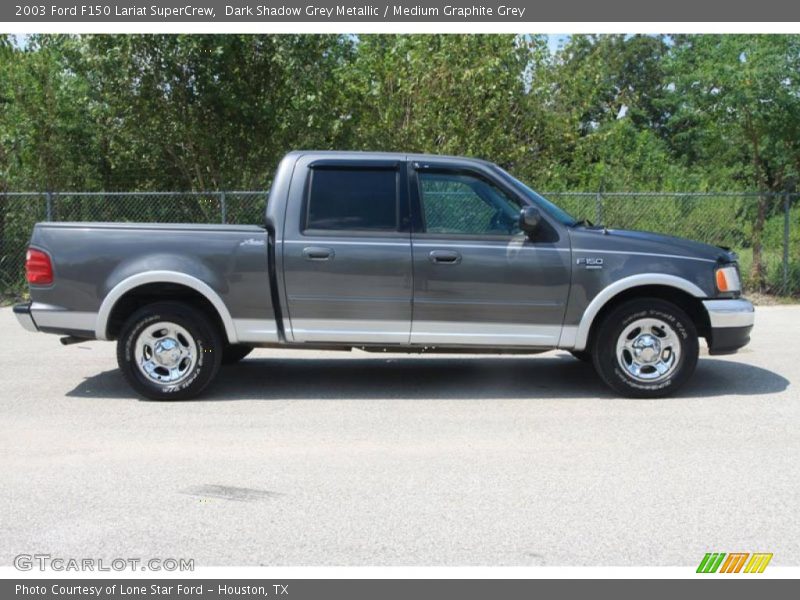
478,280
347,254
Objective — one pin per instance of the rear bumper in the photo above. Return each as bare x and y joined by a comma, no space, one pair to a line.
23,314
731,323
36,316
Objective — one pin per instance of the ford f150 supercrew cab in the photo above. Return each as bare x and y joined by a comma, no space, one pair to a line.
387,252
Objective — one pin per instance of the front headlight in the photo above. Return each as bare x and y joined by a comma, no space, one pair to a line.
727,279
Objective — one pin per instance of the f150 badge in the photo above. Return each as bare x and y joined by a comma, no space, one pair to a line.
590,262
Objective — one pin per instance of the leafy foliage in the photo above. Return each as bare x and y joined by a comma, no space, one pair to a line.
216,112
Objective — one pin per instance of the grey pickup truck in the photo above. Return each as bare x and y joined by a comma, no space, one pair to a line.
387,252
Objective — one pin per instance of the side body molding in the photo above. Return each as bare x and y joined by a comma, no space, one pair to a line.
126,285
576,337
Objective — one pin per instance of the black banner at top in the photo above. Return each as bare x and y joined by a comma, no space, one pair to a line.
521,11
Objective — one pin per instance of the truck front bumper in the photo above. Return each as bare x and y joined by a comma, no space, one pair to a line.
23,314
731,322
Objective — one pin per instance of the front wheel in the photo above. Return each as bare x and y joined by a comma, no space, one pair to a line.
169,351
645,348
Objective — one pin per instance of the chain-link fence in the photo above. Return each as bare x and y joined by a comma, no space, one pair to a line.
735,220
19,211
740,221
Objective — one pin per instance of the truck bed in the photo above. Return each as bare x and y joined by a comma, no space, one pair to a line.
97,263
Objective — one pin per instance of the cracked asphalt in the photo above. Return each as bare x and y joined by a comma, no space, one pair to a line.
323,458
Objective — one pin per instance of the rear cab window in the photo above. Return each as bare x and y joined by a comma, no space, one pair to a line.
352,198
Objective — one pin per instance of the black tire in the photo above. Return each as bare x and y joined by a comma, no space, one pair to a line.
613,371
582,355
233,353
204,344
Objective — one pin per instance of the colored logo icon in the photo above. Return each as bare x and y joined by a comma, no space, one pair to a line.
734,562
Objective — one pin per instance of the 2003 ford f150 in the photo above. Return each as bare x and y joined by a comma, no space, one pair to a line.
387,252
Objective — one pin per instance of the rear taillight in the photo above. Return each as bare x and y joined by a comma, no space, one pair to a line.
38,268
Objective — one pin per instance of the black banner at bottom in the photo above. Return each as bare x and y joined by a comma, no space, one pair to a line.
386,589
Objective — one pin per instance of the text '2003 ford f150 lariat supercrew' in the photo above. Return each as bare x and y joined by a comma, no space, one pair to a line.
387,252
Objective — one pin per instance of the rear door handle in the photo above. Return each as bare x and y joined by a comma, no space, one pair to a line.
444,257
318,253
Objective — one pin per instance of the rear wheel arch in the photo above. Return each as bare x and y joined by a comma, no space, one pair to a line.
147,288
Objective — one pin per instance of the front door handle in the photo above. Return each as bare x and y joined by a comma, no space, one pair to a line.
318,253
444,257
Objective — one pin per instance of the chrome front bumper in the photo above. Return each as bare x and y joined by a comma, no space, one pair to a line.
731,322
23,314
730,313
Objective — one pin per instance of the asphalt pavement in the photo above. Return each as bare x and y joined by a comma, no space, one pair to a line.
323,458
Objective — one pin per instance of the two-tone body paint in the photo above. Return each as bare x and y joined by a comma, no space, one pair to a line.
626,253
500,291
371,288
344,286
93,260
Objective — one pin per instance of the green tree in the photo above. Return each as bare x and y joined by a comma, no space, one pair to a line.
47,139
608,110
738,106
208,112
446,94
598,78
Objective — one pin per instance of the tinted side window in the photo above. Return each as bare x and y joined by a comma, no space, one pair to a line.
352,199
459,203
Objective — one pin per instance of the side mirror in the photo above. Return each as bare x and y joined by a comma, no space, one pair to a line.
529,220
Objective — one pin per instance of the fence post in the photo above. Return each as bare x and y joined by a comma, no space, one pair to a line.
49,196
598,207
786,219
223,206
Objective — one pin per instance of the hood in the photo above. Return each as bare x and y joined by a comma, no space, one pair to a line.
598,238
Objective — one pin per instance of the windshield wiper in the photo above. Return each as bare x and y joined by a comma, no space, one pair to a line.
585,222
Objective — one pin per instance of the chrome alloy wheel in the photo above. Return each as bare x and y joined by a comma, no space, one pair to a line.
165,353
648,350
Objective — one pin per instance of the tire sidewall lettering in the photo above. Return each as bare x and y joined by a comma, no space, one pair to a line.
679,322
204,341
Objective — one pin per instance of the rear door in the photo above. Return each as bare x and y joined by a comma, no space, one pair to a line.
478,280
347,252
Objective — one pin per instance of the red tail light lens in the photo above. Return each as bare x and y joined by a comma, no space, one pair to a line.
38,268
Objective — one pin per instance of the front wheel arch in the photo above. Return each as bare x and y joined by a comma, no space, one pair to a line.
691,305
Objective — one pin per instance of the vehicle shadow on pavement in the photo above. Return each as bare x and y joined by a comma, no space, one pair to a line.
436,378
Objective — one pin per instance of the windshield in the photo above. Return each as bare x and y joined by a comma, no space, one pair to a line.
551,209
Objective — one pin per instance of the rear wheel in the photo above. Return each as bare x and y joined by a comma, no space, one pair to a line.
645,348
233,353
169,351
